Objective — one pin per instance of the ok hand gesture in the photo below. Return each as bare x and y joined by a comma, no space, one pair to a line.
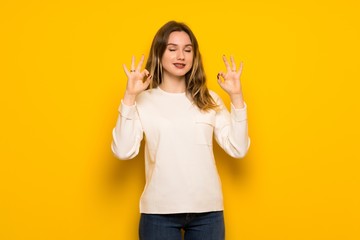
135,83
230,82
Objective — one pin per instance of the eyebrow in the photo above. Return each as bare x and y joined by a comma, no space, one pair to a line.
187,45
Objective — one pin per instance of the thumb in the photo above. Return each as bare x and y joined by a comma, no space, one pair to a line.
147,81
220,82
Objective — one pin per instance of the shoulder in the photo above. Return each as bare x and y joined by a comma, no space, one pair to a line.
146,95
216,97
213,94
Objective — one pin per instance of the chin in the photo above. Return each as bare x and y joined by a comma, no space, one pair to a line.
182,72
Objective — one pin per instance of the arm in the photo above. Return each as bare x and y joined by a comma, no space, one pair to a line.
231,129
128,132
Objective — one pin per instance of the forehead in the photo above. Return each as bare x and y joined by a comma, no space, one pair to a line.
179,38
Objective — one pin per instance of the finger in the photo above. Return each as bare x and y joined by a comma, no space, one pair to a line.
145,72
240,68
140,63
221,74
218,77
147,81
126,70
220,82
233,63
226,63
132,63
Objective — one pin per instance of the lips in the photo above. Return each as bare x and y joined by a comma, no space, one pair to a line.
179,65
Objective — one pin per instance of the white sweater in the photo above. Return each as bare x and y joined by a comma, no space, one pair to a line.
181,174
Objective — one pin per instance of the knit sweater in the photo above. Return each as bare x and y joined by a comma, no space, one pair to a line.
180,169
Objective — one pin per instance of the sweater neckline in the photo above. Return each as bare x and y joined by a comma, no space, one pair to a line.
170,93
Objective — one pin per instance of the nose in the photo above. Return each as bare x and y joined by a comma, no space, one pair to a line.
180,55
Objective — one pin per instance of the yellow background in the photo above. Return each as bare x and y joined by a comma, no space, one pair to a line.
62,82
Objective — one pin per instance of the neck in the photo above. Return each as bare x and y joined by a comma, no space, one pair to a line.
173,84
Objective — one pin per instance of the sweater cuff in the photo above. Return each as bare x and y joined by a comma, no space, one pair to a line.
239,114
127,111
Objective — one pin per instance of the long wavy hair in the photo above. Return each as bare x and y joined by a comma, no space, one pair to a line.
195,78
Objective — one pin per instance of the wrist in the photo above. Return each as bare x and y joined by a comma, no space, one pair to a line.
236,96
129,99
237,100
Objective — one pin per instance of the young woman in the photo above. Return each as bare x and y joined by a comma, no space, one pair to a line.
168,103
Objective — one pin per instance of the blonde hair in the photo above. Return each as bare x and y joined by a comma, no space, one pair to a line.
195,79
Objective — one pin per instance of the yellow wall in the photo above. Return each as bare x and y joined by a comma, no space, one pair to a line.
62,81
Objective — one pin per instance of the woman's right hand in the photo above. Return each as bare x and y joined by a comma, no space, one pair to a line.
135,83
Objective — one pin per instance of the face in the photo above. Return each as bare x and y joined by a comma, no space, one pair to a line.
178,56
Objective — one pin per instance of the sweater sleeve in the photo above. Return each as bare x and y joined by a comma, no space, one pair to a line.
127,134
231,129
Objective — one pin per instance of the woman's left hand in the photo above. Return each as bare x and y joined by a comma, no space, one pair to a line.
230,81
